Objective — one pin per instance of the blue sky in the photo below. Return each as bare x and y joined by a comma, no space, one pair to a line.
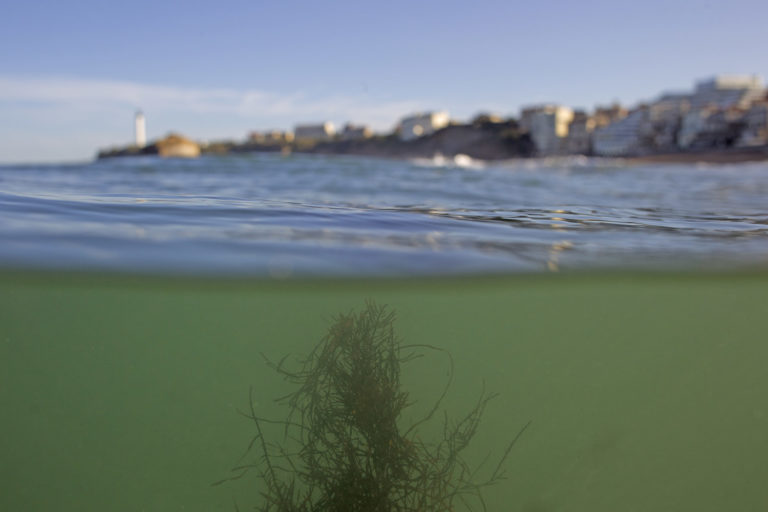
73,72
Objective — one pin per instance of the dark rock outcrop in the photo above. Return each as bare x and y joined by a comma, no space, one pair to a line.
485,141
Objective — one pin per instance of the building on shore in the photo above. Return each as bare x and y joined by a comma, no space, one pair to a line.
725,91
694,123
623,137
719,113
355,132
755,125
548,125
711,127
716,114
270,137
486,118
140,129
419,125
320,132
579,141
664,121
669,107
604,116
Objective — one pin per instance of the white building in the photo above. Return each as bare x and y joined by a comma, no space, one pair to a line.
314,132
694,123
580,130
669,107
140,129
711,127
355,132
270,137
664,119
548,126
623,137
604,116
755,131
725,91
419,125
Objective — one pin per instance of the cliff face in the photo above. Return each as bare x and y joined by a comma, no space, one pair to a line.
488,141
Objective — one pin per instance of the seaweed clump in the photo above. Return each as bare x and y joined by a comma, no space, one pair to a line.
344,448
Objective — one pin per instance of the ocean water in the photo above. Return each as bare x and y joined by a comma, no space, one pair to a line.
345,216
620,311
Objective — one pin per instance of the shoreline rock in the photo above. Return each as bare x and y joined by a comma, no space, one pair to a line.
171,146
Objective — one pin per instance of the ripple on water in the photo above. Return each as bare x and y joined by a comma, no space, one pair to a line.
312,215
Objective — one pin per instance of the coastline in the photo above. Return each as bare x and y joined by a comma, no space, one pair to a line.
478,142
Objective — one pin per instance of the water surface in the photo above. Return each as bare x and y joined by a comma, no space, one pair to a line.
313,215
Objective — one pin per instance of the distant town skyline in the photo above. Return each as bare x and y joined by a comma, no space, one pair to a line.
72,75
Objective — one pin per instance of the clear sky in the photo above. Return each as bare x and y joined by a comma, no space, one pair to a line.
72,73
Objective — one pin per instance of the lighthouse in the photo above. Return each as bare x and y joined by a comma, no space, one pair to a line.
140,129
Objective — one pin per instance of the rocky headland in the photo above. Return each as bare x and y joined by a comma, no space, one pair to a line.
171,146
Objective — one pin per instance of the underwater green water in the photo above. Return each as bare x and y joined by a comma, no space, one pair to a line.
644,391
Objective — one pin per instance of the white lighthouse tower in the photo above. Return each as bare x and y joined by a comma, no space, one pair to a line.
141,129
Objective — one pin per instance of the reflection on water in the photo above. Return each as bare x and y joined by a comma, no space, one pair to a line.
554,254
